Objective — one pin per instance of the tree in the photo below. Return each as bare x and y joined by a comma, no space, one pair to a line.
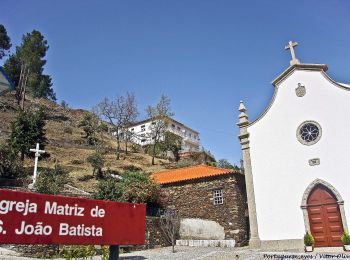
91,126
120,113
160,117
51,181
5,42
108,190
64,104
113,112
9,163
224,163
138,187
172,143
130,116
25,67
27,130
97,162
170,225
134,187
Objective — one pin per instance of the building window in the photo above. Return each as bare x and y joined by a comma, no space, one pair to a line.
218,196
143,128
309,132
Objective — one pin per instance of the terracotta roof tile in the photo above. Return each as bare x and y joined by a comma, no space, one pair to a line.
190,173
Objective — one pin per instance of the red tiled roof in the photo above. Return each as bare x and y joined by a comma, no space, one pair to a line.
190,173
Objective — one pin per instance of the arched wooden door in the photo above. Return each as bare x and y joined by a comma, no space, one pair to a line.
324,217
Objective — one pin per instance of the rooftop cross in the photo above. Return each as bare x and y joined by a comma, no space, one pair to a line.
37,155
291,46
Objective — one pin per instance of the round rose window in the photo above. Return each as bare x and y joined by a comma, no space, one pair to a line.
309,133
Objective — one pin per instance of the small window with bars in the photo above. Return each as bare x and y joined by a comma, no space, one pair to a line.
218,196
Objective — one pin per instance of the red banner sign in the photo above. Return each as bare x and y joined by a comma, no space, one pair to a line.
32,218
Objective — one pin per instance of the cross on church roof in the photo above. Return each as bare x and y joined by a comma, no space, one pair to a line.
291,46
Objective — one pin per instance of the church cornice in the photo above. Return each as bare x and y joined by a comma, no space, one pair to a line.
309,67
290,69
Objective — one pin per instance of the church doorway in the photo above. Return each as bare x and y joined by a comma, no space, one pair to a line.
324,217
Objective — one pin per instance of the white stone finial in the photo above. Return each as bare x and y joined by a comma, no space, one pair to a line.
243,117
241,107
291,46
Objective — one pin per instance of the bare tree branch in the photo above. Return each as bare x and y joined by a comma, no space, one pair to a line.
120,113
170,225
160,117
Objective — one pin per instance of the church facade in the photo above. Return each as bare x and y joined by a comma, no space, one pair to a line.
296,160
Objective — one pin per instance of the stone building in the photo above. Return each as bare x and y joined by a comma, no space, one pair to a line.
211,202
296,159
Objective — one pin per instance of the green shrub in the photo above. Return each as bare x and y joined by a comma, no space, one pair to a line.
64,104
134,187
135,148
211,164
75,252
91,126
97,162
27,130
105,253
309,239
108,190
345,238
10,166
132,168
51,181
138,187
68,130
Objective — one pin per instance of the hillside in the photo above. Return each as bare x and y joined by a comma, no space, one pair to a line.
66,145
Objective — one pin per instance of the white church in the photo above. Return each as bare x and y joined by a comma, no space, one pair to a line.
297,160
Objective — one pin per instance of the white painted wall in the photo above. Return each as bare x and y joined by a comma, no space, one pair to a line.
195,228
280,167
191,141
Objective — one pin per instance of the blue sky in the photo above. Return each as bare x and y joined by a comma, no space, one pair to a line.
205,55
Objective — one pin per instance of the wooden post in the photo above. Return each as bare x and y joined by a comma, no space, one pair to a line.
113,252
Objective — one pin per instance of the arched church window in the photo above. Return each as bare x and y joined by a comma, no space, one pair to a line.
309,132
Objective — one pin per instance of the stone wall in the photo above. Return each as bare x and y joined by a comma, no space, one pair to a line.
39,251
154,234
194,199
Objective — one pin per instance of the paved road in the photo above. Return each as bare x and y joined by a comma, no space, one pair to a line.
208,253
200,253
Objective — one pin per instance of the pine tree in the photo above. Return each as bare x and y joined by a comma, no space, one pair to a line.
29,58
5,41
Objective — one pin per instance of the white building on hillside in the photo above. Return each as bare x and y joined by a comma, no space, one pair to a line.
190,138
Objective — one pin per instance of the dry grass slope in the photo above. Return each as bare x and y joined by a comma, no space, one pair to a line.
66,145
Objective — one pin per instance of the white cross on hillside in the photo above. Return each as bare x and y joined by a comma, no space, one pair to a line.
291,46
37,152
